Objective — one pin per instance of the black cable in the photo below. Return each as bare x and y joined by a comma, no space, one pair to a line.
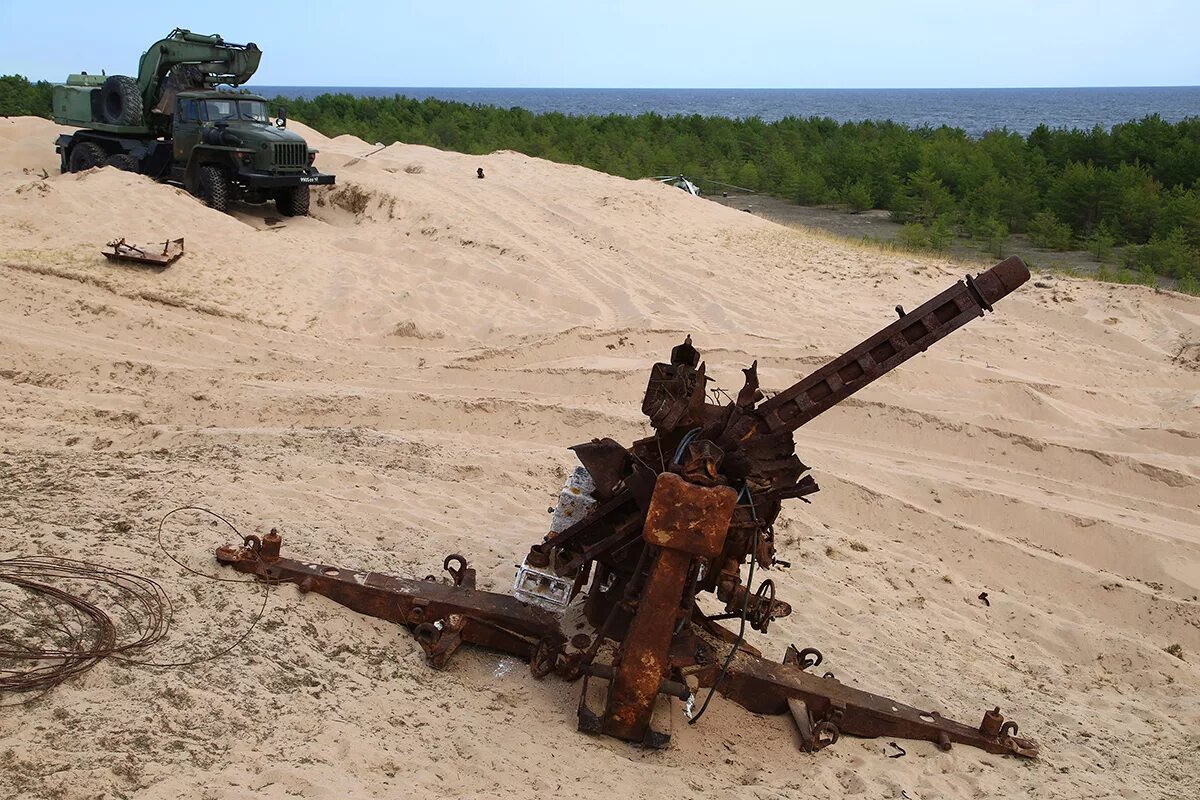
741,636
254,622
232,527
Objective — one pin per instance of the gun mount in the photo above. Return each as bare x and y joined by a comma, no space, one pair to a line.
647,529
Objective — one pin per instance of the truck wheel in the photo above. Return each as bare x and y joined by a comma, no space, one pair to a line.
293,201
122,161
86,155
121,101
214,188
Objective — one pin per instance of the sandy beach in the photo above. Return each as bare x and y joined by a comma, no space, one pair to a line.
399,376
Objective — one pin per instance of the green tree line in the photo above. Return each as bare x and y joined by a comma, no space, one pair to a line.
1135,187
19,97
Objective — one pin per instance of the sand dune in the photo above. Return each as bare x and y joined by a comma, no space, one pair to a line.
398,377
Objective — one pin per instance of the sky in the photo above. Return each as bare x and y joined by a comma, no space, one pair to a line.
636,43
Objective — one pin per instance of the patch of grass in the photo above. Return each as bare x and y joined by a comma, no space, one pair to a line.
352,198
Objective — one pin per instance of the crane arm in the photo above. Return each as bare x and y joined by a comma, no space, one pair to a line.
218,61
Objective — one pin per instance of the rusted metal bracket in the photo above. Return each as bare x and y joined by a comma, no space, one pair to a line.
685,522
171,251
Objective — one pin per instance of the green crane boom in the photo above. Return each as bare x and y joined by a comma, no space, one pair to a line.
214,60
179,62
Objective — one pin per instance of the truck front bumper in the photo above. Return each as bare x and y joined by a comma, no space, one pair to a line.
275,180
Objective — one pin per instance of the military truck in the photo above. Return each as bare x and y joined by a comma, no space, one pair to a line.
183,120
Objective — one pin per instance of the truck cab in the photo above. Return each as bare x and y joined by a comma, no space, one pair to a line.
225,146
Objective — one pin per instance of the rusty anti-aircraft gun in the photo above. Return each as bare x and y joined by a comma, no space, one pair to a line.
642,531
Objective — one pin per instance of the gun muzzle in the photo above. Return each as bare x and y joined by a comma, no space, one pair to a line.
999,281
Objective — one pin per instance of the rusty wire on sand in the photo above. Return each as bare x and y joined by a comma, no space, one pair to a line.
64,616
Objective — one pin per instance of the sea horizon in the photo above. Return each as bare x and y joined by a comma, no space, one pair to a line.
975,111
738,88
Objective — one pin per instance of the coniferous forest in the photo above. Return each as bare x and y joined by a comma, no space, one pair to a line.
1132,190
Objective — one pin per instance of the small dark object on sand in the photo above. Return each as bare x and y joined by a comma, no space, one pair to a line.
983,596
479,173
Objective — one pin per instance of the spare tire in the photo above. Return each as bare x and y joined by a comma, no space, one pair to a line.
121,101
122,161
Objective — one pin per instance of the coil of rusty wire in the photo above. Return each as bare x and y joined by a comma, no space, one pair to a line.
64,616
62,625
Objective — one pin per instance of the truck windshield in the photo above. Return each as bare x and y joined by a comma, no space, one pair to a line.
253,110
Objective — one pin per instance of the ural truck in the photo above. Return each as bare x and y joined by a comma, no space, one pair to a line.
177,122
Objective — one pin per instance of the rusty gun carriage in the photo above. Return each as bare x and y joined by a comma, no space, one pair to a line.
642,531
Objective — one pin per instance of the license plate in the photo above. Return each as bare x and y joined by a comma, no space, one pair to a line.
309,180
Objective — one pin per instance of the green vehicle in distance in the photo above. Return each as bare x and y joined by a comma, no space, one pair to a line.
176,122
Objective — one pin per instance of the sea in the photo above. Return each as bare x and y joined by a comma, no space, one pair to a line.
976,111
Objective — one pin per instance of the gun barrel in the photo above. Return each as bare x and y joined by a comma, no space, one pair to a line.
911,334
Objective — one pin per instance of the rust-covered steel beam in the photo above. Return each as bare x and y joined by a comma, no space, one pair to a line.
442,615
823,708
890,347
685,523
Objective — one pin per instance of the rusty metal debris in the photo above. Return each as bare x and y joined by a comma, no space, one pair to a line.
171,251
641,532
